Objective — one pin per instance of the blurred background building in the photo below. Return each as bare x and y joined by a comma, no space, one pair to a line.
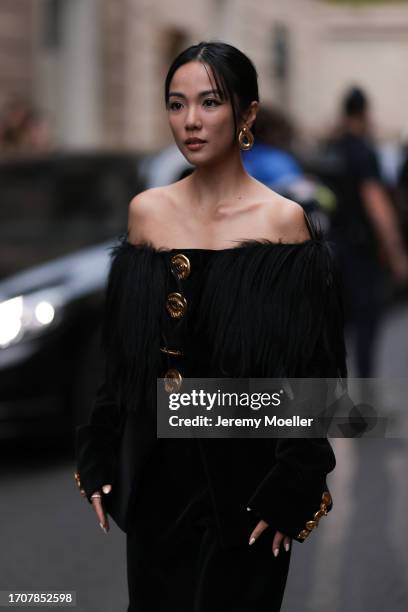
95,68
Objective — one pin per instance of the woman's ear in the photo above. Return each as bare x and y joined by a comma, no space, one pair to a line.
250,115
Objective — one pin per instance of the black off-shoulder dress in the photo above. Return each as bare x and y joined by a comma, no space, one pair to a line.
188,506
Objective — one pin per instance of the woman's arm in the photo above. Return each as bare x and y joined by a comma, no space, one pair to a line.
96,442
123,341
294,494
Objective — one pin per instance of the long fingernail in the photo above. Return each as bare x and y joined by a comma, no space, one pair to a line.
103,527
276,551
251,541
286,546
106,488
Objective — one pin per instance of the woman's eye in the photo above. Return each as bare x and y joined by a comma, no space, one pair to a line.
212,100
171,105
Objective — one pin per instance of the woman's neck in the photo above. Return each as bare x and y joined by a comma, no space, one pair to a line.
221,183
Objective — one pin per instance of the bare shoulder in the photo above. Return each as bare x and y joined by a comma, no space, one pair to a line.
144,208
288,219
284,217
146,202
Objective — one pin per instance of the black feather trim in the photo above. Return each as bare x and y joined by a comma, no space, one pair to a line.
134,301
274,310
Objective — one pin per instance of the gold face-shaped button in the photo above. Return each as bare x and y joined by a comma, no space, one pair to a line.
181,265
172,380
326,498
311,525
176,305
318,515
303,534
323,508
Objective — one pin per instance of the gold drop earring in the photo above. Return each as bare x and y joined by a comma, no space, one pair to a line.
245,138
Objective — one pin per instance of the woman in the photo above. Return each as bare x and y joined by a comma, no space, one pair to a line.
209,522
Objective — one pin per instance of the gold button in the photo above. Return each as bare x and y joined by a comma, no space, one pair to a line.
176,305
326,498
181,264
172,380
311,525
318,515
323,508
303,534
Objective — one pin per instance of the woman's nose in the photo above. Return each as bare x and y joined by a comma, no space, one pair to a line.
192,118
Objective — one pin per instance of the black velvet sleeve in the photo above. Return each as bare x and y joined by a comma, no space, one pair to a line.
292,492
96,441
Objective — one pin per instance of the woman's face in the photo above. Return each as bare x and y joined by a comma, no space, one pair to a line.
195,110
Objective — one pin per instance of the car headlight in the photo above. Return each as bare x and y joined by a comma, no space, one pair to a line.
26,316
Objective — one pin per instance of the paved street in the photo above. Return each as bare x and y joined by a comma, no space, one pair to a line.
357,559
50,539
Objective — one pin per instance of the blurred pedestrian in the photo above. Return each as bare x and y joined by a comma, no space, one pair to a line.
365,229
402,189
270,159
23,129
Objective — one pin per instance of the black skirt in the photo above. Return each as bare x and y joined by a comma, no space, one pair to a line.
175,560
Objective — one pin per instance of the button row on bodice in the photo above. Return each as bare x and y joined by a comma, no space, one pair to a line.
176,307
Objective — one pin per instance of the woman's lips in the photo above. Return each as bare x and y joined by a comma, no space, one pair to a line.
195,146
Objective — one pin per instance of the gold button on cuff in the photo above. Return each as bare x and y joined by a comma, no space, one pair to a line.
323,508
172,380
311,525
326,498
176,305
181,265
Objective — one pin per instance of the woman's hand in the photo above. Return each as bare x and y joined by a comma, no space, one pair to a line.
277,540
98,506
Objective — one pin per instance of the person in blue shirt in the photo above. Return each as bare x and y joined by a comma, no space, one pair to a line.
270,160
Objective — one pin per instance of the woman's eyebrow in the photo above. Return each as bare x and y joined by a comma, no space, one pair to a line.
179,94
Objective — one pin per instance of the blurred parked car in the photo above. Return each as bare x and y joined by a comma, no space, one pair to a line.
58,217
